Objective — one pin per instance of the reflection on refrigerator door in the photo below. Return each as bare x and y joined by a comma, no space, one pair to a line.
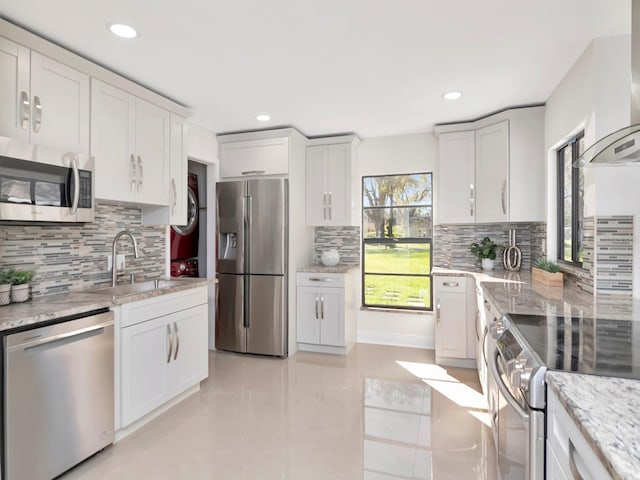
230,332
267,332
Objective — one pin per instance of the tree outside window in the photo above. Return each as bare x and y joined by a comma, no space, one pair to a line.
397,237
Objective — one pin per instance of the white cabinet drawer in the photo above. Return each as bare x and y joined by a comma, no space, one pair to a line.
450,284
320,279
136,312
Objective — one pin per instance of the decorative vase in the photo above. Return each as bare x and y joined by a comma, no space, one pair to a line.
512,256
487,264
20,293
330,258
5,294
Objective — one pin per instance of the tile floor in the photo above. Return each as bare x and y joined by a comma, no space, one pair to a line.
381,413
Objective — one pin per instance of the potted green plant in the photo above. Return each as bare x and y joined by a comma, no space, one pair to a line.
546,272
486,252
5,287
20,284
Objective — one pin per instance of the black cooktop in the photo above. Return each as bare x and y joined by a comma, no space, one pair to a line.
583,345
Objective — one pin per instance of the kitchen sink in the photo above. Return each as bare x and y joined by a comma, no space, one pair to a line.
135,288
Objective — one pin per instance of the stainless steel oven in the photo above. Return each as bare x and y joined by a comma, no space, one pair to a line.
38,184
516,404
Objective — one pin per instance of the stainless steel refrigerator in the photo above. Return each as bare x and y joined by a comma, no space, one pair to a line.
252,227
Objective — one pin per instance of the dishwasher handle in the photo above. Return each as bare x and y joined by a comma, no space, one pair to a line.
64,338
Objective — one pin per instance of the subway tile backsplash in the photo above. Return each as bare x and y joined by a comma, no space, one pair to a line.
73,257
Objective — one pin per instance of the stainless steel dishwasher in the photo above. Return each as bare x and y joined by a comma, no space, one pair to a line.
58,396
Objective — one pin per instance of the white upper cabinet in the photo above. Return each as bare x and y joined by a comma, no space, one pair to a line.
330,182
131,146
178,172
42,101
456,178
493,170
248,158
492,173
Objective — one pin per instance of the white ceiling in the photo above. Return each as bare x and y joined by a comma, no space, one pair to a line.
373,67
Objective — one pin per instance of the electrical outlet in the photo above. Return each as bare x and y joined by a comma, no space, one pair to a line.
120,263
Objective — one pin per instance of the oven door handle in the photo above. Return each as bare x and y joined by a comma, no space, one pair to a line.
493,367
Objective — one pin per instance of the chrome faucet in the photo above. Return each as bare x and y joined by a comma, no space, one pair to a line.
114,273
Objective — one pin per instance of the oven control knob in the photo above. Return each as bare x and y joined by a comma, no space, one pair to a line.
497,329
520,377
183,267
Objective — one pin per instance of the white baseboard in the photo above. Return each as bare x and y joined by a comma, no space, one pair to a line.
396,339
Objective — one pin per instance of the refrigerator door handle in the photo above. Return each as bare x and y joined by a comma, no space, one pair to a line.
246,211
246,302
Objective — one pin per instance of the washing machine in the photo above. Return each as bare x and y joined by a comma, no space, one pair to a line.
184,238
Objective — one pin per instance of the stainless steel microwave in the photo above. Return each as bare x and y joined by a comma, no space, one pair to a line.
39,184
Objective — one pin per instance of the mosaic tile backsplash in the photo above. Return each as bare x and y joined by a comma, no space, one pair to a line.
452,243
74,257
344,239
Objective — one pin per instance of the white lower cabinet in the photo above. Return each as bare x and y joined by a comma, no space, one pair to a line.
325,317
454,320
163,352
568,455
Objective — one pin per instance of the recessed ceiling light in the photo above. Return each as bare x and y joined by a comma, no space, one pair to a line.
263,117
122,30
452,95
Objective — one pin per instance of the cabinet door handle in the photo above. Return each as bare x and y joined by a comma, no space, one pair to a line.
438,311
575,471
37,114
253,172
330,207
133,174
471,199
317,316
450,284
141,174
24,108
322,307
170,338
174,192
324,204
175,329
503,198
320,279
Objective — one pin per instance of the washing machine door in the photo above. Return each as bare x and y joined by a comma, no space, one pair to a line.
192,215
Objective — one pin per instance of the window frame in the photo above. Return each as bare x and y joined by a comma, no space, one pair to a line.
397,241
577,210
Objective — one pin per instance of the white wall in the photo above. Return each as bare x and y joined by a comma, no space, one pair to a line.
202,147
393,155
594,96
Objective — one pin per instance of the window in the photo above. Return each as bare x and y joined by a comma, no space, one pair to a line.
570,201
397,226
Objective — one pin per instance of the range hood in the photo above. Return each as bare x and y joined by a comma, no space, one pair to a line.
623,146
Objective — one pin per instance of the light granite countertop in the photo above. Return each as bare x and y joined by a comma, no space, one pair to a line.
513,292
50,307
606,411
605,408
340,268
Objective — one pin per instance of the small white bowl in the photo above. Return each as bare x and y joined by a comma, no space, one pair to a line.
330,258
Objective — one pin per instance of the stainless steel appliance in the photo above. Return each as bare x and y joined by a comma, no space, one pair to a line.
522,349
38,184
252,223
516,391
58,395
